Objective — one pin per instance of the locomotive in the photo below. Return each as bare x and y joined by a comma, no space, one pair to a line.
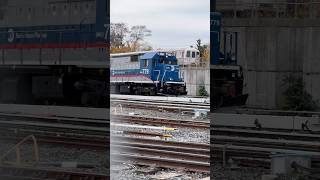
54,52
146,73
226,75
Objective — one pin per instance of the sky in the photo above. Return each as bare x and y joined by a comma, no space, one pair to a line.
174,23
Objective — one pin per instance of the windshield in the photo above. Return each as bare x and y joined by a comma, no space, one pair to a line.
164,60
173,62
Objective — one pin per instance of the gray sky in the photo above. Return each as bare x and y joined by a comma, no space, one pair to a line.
174,23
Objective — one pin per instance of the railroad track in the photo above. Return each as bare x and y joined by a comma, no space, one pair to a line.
253,149
267,129
91,124
256,145
160,121
54,119
266,133
38,173
53,124
52,130
167,154
174,99
275,112
70,132
186,105
250,156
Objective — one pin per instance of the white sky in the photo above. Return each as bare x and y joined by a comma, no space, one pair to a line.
174,23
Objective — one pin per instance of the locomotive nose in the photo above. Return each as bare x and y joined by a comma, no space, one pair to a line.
172,68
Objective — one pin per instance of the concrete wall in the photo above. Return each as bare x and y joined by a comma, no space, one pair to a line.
195,77
269,50
311,61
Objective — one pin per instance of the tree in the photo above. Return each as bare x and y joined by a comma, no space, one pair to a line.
204,51
146,47
118,33
120,50
202,91
296,97
137,36
201,47
124,40
206,54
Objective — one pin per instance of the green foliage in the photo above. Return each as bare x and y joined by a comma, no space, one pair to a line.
201,48
202,91
296,97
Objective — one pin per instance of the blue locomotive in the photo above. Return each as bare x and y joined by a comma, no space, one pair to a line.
226,75
146,73
53,32
54,52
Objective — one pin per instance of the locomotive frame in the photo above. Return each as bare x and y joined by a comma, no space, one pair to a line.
54,52
146,73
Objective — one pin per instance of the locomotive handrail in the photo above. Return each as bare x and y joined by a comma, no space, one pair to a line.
158,74
165,71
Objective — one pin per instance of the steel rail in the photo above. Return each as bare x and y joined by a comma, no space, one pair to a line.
161,121
37,173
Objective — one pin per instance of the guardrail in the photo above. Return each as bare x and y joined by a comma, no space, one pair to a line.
269,9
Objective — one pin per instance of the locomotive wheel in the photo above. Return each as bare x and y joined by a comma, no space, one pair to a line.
153,92
137,92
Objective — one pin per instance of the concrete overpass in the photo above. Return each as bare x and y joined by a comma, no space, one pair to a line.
277,44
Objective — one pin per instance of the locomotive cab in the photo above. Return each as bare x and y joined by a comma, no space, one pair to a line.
164,70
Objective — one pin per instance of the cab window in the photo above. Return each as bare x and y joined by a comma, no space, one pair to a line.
154,63
145,63
173,62
134,58
193,54
188,53
162,59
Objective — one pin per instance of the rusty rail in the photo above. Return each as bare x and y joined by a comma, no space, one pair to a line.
17,172
160,121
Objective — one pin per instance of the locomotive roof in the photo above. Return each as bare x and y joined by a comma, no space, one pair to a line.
129,54
151,55
143,54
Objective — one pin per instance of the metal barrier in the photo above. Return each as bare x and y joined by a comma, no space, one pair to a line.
198,64
17,150
269,9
